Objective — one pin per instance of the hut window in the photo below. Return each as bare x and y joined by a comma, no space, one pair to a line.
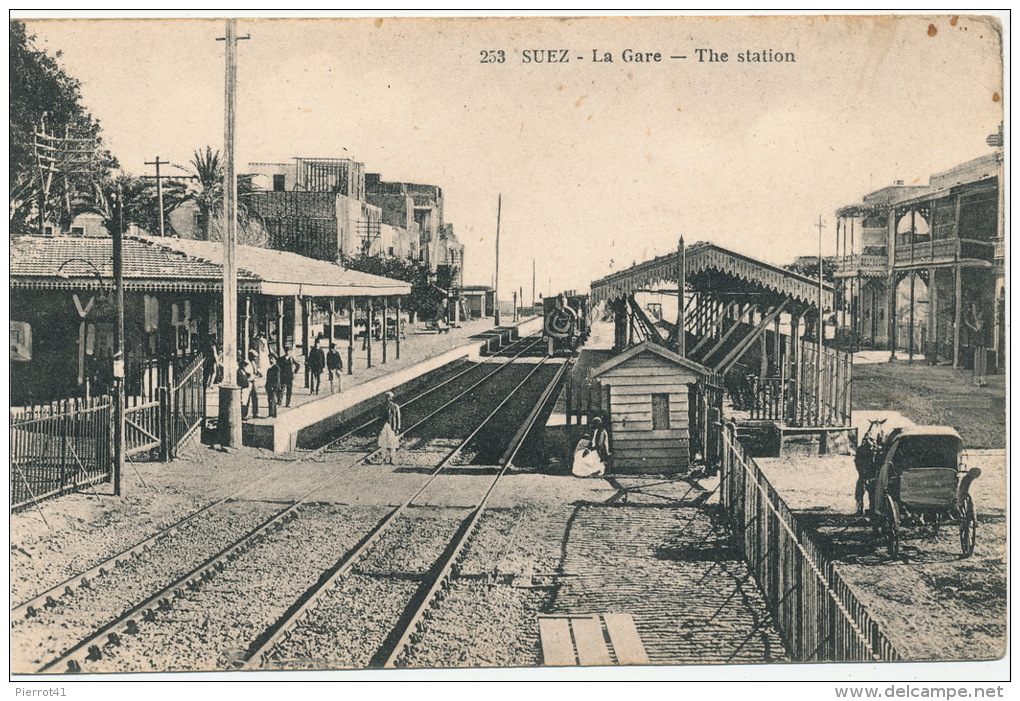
660,412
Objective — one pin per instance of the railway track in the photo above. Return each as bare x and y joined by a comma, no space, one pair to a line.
110,635
414,602
50,598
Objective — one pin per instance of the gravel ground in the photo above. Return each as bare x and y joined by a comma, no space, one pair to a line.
478,625
212,628
415,541
83,531
37,640
348,625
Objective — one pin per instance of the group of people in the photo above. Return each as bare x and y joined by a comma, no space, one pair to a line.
277,373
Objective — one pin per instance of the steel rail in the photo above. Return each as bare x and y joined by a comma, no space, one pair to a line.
286,624
49,598
442,384
126,623
441,581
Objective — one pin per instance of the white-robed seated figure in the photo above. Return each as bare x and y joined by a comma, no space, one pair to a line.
591,455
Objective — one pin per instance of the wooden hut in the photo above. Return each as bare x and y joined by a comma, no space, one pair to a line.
649,415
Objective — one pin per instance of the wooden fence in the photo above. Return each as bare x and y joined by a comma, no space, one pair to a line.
792,398
819,617
60,447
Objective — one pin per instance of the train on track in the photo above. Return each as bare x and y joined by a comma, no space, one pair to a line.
566,323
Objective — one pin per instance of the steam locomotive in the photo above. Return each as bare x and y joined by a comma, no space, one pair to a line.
566,325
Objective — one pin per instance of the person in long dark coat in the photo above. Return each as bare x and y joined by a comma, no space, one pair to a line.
288,368
335,366
273,386
316,364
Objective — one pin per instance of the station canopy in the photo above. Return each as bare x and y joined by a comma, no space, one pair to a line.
169,264
711,268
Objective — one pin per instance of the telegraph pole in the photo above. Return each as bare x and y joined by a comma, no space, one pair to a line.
499,212
821,327
681,284
230,393
119,439
159,190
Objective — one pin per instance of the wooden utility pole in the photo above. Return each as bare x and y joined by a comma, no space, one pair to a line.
119,439
820,330
230,393
681,283
499,212
159,191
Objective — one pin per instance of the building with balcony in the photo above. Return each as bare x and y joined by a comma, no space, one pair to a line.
921,269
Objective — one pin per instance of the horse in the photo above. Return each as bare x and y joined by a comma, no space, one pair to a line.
868,460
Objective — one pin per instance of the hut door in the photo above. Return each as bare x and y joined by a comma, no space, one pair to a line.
660,412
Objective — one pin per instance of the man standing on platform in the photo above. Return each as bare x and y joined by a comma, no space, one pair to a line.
256,372
288,369
273,386
316,364
335,366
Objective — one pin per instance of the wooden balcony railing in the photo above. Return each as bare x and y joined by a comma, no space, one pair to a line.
861,263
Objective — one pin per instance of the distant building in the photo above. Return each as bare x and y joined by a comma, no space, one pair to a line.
416,205
917,264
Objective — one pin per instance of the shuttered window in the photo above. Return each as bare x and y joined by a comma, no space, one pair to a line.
660,412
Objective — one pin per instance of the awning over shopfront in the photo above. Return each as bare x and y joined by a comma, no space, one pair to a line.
183,265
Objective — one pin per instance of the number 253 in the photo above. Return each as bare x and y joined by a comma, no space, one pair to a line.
492,56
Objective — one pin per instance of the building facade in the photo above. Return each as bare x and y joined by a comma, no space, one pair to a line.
921,269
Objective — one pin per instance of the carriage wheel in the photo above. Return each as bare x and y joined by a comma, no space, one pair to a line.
968,527
891,527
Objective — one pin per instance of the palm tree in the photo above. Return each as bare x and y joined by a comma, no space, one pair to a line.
207,194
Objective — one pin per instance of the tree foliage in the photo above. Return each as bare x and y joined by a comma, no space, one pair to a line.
44,96
206,191
428,289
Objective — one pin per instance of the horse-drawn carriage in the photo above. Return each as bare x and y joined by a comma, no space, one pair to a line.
918,480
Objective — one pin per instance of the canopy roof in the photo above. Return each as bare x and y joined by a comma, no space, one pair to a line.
156,263
710,267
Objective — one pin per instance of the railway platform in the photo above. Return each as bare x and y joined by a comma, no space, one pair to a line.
421,353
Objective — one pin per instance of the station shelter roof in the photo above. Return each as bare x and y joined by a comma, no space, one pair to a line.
709,267
169,264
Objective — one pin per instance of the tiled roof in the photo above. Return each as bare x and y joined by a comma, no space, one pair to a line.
56,261
280,270
168,263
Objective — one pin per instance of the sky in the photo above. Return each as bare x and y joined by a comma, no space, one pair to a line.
599,164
